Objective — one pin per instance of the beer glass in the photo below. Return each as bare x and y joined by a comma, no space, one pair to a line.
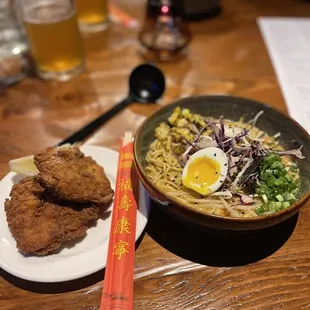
92,15
55,42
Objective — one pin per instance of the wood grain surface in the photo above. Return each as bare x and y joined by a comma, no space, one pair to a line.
175,267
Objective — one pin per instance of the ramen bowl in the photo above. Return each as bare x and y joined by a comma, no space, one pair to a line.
271,121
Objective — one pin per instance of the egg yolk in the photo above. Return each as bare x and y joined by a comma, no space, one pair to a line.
202,173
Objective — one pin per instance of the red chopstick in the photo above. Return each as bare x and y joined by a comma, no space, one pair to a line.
118,281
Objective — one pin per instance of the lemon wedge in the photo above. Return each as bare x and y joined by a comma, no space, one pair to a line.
24,166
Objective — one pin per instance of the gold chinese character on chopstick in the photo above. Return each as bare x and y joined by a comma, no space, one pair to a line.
120,249
125,203
125,164
125,185
122,226
126,156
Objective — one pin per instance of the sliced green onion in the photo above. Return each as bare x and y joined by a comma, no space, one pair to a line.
287,196
285,204
265,198
276,187
280,198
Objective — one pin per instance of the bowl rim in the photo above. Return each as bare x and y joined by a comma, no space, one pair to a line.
294,207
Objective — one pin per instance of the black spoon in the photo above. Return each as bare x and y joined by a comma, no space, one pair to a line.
146,85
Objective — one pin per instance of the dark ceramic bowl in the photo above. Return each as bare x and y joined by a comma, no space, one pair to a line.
272,121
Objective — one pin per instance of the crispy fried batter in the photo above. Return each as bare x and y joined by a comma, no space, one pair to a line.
72,176
41,223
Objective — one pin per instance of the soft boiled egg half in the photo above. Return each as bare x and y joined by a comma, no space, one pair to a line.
205,171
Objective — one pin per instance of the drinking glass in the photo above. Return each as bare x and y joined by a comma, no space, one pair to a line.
164,35
12,40
92,15
55,42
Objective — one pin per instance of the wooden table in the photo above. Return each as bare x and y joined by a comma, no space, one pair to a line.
175,267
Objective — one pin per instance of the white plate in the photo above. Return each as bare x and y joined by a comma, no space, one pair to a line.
86,256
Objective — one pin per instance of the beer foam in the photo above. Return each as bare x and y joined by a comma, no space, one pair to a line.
47,12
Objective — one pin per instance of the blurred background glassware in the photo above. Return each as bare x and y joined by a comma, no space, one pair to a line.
92,15
13,45
164,35
55,41
12,39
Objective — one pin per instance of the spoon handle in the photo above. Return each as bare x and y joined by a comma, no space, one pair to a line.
96,123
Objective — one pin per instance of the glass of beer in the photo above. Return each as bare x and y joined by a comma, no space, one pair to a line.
92,15
54,38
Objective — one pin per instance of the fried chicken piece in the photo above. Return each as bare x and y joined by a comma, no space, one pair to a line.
39,222
70,175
